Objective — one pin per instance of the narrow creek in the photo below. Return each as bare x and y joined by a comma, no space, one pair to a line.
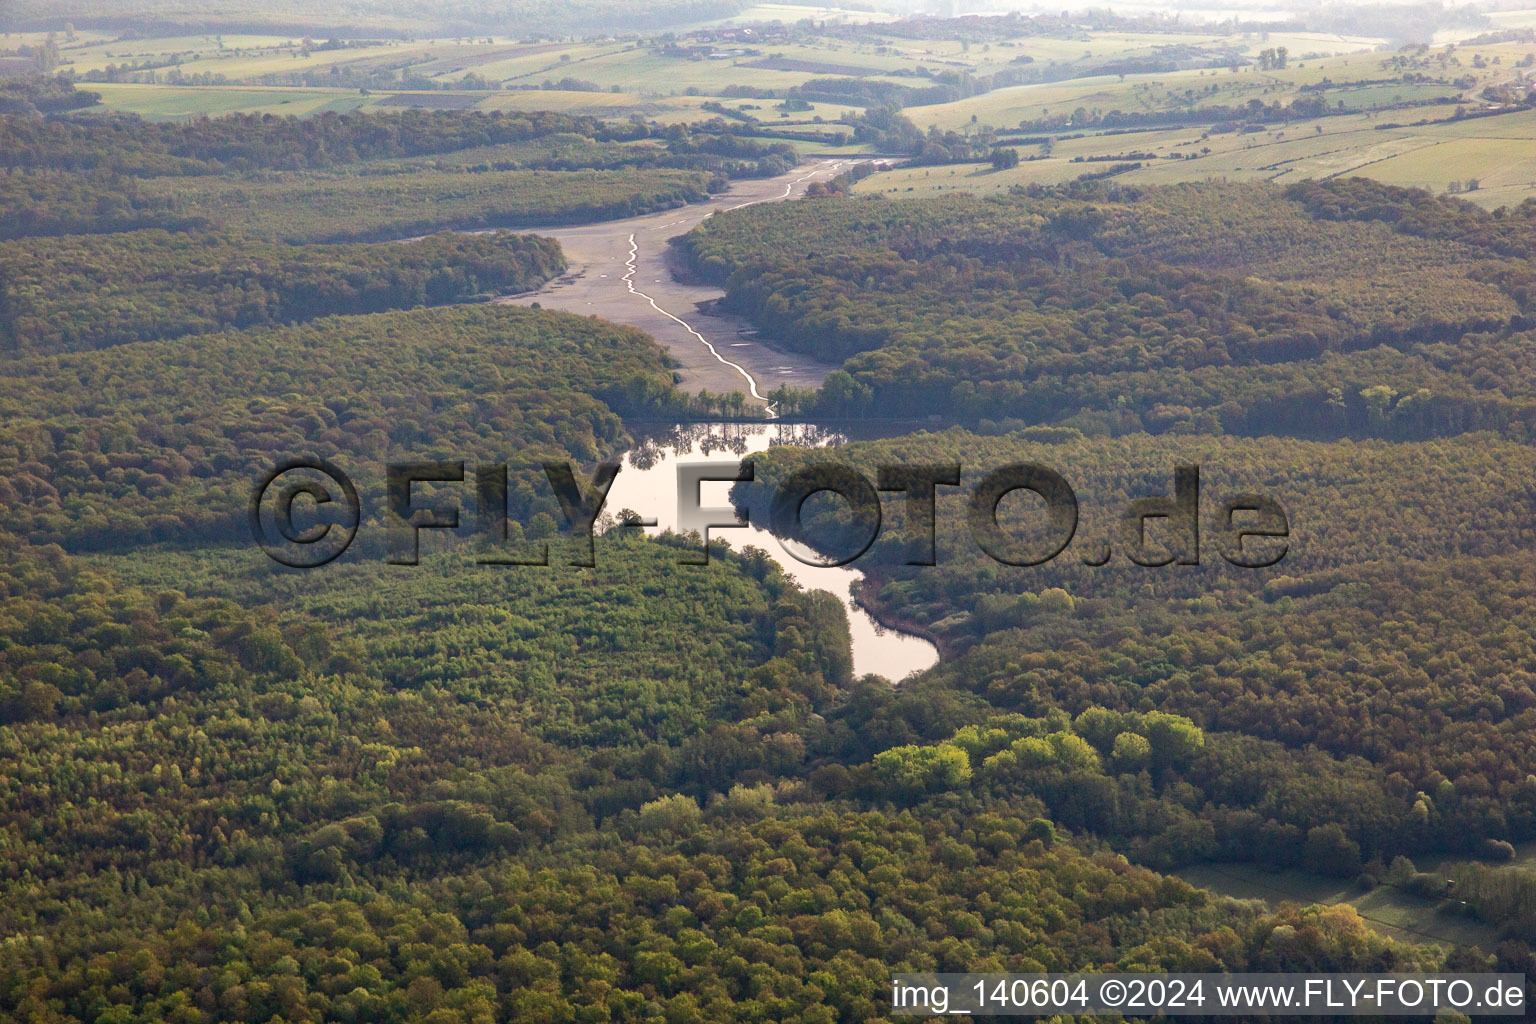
619,271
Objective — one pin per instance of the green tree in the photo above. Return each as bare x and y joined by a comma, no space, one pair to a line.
1329,851
923,769
1004,157
1131,752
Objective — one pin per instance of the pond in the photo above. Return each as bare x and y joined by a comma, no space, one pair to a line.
647,484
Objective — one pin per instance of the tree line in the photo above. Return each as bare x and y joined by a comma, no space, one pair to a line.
1375,681
95,291
1108,309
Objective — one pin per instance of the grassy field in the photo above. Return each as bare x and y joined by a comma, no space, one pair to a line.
1513,19
632,67
635,68
240,57
1361,80
1392,912
1402,915
174,103
643,78
1496,151
967,178
1504,168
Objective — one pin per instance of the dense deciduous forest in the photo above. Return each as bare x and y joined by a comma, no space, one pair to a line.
393,834
1198,308
1380,673
359,177
343,209
163,439
647,791
36,95
240,143
555,793
1378,679
94,291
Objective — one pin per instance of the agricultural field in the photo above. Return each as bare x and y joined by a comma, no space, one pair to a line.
631,66
237,57
1176,90
178,103
1513,19
706,64
387,18
1392,115
1496,152
1365,87
1504,168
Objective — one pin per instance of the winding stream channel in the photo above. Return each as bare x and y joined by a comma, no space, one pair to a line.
620,270
647,484
624,271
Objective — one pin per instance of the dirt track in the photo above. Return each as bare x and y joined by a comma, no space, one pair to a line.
619,270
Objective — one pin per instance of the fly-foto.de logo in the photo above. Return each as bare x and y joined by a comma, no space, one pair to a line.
306,512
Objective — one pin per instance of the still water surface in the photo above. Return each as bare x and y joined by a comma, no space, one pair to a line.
647,484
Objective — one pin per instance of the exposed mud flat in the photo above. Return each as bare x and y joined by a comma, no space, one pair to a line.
624,271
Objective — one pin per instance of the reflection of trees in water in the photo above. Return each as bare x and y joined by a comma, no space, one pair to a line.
725,438
888,651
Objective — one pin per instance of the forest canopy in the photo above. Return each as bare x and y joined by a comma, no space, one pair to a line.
1194,308
360,176
646,791
94,291
162,440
